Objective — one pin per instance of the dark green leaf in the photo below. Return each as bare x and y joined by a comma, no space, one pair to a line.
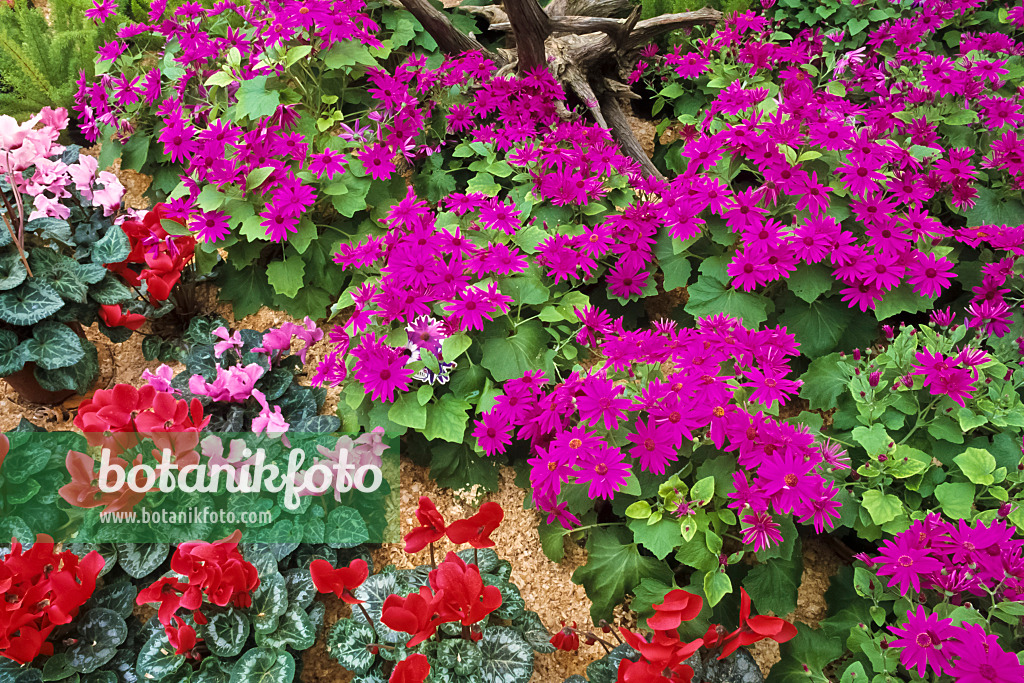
113,247
53,345
29,303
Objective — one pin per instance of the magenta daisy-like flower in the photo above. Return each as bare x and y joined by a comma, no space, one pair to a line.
930,274
980,659
383,372
925,641
654,447
377,160
101,10
905,563
549,470
600,402
761,530
492,434
209,226
327,163
604,471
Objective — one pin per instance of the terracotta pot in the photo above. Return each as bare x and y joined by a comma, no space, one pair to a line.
25,383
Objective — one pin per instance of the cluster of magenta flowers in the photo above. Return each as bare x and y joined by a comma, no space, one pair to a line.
957,563
571,425
888,160
215,150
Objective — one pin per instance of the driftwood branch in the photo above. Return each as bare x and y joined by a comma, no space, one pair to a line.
531,26
623,134
649,29
590,8
451,40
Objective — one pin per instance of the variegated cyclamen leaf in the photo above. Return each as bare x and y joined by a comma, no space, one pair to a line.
269,602
28,303
53,345
11,356
113,247
507,657
78,377
264,665
100,632
348,642
461,657
529,624
141,559
301,590
157,658
225,632
12,270
294,629
373,592
110,291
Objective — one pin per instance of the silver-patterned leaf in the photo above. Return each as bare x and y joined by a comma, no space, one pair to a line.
225,632
507,657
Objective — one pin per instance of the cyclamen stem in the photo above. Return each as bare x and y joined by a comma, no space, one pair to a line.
369,621
17,240
433,562
476,558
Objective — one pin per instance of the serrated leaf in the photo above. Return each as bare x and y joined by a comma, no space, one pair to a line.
254,100
28,303
614,567
446,419
264,665
348,643
507,658
508,357
711,296
226,632
139,560
113,247
824,382
53,345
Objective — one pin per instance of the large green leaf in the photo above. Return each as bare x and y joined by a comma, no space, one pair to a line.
507,658
255,100
78,377
157,657
11,354
295,629
269,602
824,382
113,247
614,567
53,345
508,357
348,642
264,665
12,271
446,419
28,303
100,631
63,273
534,632
711,296
811,281
818,326
773,585
139,560
248,288
373,592
225,632
110,291
345,528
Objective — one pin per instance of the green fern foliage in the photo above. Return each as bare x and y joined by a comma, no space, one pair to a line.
41,57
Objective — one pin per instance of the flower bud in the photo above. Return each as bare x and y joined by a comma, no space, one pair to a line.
874,377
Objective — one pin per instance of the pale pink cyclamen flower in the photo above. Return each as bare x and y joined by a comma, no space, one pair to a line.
228,341
161,379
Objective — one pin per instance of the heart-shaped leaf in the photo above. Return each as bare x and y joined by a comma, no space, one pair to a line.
225,632
100,631
349,642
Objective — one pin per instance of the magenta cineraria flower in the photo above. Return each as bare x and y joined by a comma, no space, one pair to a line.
925,641
761,531
604,471
905,563
980,659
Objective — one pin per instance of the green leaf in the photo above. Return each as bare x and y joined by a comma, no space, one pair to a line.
510,357
254,100
857,25
992,209
977,465
614,567
676,267
247,289
660,538
157,657
824,382
818,326
710,296
902,299
773,585
113,247
78,377
226,632
446,419
552,541
956,499
53,345
295,629
110,291
286,275
139,560
408,412
29,303
717,585
264,665
454,346
11,355
882,507
269,602
100,631
12,271
810,281
507,658
907,461
348,643
641,509
874,440
345,528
